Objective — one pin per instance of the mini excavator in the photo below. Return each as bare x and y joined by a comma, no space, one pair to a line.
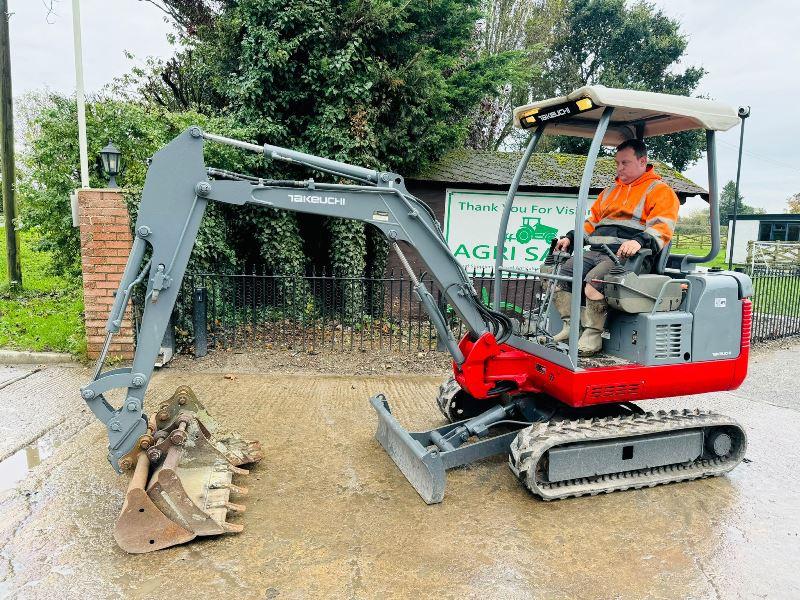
569,426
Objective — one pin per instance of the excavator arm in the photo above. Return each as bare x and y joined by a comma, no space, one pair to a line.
176,192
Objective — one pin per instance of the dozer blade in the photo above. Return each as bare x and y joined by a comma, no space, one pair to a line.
423,468
425,456
189,489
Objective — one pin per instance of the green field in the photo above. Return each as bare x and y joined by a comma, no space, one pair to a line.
776,295
47,314
720,261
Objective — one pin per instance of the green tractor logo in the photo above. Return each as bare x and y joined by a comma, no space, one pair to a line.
532,229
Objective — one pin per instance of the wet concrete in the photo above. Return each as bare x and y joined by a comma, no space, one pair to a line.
329,515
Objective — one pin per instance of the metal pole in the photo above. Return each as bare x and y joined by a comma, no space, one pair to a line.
79,93
684,261
503,228
580,217
200,321
7,151
744,112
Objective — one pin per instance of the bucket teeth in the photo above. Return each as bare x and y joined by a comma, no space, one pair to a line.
237,508
234,489
233,527
225,467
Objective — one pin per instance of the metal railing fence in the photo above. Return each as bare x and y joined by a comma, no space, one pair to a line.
776,301
318,310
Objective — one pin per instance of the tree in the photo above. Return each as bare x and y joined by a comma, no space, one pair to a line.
726,200
632,46
388,84
176,84
50,169
793,203
191,15
524,27
695,220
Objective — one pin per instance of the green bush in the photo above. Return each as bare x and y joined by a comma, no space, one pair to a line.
49,170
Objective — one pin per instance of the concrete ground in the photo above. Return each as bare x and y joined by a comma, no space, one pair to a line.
330,516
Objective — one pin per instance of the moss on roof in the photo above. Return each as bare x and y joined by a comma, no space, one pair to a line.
480,167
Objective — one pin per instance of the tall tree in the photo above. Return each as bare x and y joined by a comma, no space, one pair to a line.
384,83
793,204
524,27
629,45
726,201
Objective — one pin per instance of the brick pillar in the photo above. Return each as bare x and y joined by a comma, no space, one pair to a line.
105,244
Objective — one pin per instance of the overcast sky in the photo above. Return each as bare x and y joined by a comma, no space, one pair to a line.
751,51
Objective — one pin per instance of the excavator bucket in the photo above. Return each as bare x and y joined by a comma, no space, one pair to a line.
183,480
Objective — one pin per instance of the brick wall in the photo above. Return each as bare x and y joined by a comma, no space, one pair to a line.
105,244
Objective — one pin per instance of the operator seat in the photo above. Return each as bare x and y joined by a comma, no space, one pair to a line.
634,286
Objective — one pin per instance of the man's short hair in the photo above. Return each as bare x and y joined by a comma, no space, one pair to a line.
637,146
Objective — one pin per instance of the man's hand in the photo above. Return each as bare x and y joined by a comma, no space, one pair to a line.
563,244
629,248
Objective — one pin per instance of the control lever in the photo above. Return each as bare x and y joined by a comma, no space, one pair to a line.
611,255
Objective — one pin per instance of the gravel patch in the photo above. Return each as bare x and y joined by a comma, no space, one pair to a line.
333,363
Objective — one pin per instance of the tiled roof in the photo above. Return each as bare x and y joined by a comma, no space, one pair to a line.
480,167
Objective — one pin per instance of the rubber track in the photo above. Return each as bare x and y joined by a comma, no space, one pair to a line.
447,391
532,444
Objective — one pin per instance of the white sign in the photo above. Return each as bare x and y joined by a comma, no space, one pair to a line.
472,219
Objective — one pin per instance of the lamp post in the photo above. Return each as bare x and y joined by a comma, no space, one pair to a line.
110,156
744,112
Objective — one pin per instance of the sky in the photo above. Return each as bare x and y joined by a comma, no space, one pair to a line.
751,51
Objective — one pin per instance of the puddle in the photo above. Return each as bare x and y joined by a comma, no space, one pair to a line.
14,468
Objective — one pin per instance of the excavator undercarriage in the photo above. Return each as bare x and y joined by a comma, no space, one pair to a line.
558,451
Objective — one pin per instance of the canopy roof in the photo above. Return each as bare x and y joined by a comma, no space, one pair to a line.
652,113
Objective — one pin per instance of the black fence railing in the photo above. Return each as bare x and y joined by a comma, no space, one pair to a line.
320,310
323,311
776,302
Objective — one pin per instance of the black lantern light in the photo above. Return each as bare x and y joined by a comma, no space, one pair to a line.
110,156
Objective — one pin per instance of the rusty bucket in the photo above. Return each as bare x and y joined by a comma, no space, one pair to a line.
182,483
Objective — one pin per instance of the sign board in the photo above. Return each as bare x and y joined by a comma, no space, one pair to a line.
472,219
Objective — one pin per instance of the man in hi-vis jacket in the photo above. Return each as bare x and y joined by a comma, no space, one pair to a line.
638,211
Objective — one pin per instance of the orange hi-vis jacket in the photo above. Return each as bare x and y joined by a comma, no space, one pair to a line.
644,210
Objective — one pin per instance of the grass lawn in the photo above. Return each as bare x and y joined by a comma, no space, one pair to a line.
777,295
720,261
47,314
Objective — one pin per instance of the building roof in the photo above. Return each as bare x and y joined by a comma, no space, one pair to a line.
551,170
654,113
768,217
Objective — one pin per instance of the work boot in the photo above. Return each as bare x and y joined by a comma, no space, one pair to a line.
593,320
563,303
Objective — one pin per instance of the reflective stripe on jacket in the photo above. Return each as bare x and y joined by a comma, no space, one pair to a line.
647,207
